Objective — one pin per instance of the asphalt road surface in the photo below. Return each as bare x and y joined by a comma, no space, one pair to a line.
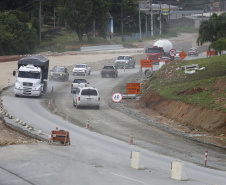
100,154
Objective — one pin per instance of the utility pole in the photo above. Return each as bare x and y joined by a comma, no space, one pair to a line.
160,23
54,18
152,35
140,23
122,22
40,22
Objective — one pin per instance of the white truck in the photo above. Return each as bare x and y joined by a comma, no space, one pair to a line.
81,69
32,76
125,61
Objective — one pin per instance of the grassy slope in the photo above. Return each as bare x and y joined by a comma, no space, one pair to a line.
204,88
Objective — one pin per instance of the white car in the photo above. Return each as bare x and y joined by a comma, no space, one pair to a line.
81,69
86,97
78,83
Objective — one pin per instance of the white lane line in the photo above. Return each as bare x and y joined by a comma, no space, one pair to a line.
128,178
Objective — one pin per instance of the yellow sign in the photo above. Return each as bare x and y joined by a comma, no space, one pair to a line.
165,11
133,88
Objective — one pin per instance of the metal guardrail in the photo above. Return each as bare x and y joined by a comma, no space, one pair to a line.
103,47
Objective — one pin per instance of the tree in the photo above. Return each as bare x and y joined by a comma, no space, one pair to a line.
218,45
15,36
79,14
212,30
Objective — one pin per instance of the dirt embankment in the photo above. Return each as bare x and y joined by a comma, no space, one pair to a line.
191,116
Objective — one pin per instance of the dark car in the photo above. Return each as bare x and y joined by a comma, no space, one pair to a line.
110,71
59,73
193,52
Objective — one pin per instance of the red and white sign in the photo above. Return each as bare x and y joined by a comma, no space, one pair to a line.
172,52
117,97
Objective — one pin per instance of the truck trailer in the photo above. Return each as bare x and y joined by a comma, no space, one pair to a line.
32,76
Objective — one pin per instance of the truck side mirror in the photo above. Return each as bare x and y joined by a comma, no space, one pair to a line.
14,73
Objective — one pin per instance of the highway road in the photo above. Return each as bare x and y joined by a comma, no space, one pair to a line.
100,154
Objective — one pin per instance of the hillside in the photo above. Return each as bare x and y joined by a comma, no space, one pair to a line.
197,101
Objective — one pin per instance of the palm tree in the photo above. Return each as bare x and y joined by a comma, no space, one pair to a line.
211,30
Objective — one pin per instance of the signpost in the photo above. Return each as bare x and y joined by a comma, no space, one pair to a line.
133,88
117,97
145,63
182,55
172,52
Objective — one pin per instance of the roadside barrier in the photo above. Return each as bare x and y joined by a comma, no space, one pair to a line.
61,135
206,157
131,139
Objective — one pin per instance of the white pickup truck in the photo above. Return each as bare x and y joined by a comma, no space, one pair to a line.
81,69
125,61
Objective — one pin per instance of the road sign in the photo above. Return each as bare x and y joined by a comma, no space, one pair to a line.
145,63
133,88
117,97
182,55
172,52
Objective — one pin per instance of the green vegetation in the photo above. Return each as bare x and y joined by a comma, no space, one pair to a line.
205,88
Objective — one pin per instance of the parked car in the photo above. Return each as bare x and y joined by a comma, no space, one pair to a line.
59,73
78,83
81,69
110,71
165,59
87,97
126,61
193,52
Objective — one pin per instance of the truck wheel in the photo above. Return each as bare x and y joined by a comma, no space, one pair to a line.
45,87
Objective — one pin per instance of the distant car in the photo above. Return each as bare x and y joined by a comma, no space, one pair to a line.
110,71
59,73
178,54
125,61
78,83
81,69
87,97
193,52
165,59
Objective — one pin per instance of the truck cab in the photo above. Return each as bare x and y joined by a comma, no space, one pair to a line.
32,76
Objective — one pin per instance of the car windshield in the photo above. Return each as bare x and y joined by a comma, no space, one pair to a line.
80,66
123,57
26,74
108,67
192,49
154,50
58,69
89,92
79,81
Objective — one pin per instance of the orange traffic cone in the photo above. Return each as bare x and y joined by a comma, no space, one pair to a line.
87,124
49,104
131,139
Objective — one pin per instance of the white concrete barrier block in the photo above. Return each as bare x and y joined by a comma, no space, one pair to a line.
10,116
39,132
17,120
161,64
136,160
178,171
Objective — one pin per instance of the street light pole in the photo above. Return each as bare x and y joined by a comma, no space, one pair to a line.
152,35
140,23
40,20
160,23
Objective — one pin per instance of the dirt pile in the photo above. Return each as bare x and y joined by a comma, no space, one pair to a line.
189,115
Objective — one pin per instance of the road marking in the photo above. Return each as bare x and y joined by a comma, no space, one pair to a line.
128,178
